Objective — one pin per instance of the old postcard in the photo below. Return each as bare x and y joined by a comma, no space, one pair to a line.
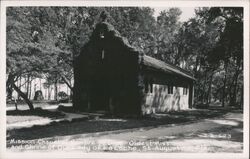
124,79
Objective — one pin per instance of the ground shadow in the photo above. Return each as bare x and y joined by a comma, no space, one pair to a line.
98,125
36,112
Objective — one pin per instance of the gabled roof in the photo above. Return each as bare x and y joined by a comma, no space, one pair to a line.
148,61
110,31
164,67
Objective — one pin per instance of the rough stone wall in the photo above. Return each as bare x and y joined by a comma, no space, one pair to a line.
106,74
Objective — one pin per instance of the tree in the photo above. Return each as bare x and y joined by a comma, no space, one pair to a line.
212,48
195,40
137,24
168,26
46,40
229,49
30,46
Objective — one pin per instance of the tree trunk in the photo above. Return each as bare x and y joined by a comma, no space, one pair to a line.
204,88
209,89
49,92
65,80
70,91
223,92
55,95
241,98
28,85
23,95
224,86
19,86
16,104
9,89
234,100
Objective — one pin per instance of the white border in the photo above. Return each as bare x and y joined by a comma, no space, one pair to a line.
154,3
235,3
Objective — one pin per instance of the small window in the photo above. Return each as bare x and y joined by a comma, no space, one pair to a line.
185,90
148,86
170,89
151,87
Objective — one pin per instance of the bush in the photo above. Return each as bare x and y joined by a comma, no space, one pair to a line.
63,97
202,106
38,95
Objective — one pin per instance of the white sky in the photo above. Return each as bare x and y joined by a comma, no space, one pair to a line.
187,12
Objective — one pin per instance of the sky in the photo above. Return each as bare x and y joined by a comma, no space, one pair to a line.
187,12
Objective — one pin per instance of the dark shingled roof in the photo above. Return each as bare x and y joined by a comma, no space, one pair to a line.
165,67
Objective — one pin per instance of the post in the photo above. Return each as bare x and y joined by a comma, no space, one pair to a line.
191,95
15,103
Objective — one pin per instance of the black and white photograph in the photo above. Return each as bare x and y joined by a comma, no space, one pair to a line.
109,81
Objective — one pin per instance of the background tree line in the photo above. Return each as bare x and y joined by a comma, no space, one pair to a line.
43,41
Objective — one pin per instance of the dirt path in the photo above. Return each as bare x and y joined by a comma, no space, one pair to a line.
207,124
209,135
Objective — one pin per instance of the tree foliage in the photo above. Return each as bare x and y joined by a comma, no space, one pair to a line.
45,41
213,49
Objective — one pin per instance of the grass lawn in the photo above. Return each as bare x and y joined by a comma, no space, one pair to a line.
16,119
